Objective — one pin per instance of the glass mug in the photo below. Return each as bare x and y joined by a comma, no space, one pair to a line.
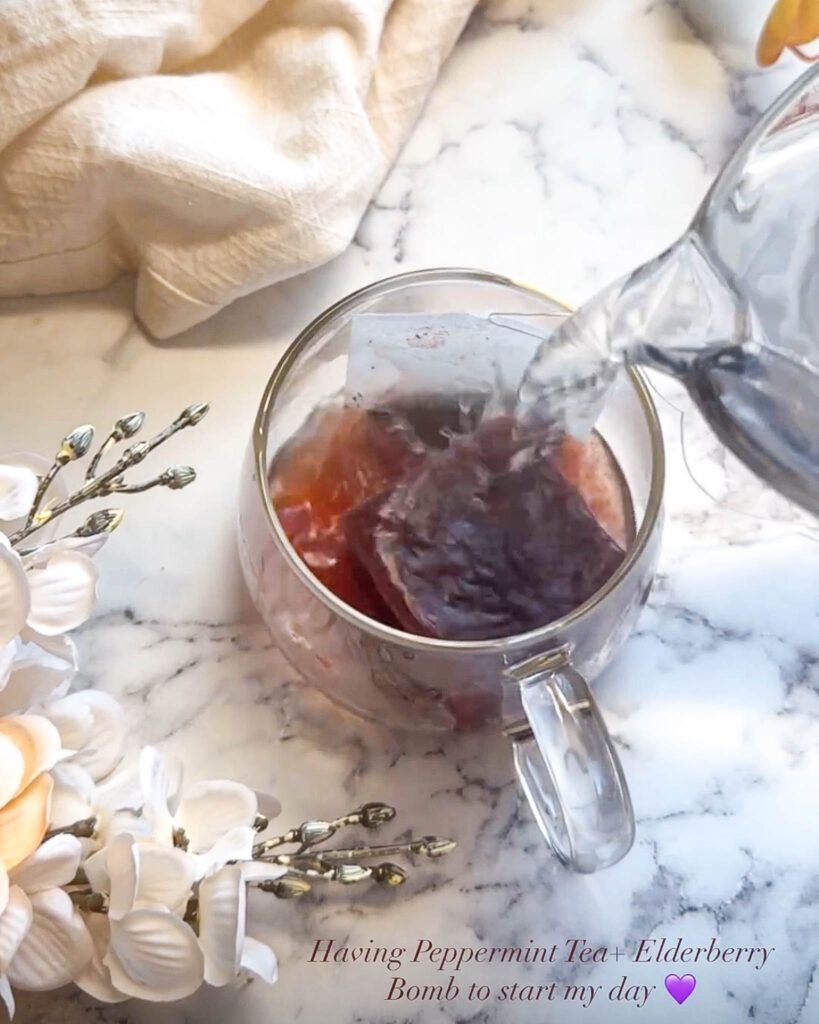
532,685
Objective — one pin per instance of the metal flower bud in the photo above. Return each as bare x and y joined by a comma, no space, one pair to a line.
389,874
287,888
349,874
104,521
127,426
43,516
76,444
178,477
193,414
375,814
136,453
312,832
435,846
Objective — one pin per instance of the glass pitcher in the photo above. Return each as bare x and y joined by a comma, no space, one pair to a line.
732,308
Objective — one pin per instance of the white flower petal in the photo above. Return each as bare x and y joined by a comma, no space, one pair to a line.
259,959
96,871
95,978
43,669
175,773
59,652
92,724
58,489
234,845
15,922
18,486
261,871
109,826
209,809
7,995
56,947
72,799
121,792
12,769
222,920
73,719
160,780
24,820
15,600
87,545
36,739
154,955
123,870
63,594
51,865
31,686
8,656
165,876
4,888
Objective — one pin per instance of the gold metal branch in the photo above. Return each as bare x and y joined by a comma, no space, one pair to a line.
125,427
77,444
305,867
311,833
309,864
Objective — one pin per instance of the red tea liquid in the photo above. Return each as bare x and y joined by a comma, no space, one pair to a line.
457,534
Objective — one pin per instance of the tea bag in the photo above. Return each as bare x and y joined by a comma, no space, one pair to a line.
475,362
504,363
487,539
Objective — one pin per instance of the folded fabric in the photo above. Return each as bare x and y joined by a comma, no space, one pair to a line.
212,146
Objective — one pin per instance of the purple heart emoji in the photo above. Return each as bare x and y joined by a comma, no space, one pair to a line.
680,988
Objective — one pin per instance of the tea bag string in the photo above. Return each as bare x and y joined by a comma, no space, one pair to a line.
494,319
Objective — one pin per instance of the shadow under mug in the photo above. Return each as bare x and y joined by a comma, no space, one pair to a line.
533,686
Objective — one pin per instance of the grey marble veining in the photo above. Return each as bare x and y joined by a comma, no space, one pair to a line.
565,143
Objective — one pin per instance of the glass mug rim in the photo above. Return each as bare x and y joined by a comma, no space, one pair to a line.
543,634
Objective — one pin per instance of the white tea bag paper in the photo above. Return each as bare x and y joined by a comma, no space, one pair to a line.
395,356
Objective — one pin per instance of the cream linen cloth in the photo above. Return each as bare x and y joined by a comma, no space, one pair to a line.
212,146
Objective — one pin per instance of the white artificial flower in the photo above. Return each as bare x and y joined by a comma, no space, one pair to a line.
227,948
91,725
133,873
44,943
50,591
130,948
207,813
43,594
214,821
145,948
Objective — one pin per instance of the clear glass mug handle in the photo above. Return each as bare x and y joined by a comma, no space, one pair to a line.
567,764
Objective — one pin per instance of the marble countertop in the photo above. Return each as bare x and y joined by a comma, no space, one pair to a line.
566,141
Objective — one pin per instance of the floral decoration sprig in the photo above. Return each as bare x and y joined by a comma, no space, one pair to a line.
120,879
